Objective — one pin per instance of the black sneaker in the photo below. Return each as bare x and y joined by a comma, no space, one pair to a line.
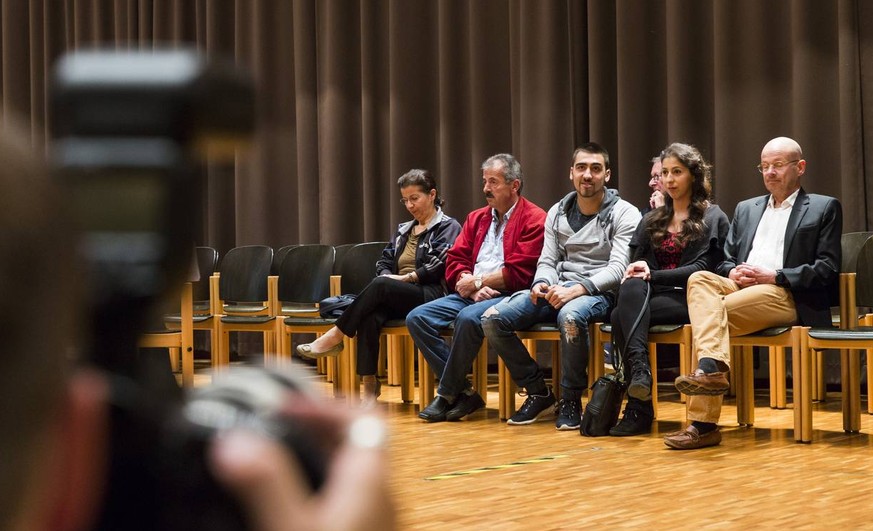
533,408
633,422
569,414
640,386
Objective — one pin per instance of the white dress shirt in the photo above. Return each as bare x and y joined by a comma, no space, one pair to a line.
768,247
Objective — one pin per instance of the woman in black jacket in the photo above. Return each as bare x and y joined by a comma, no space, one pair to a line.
410,272
685,235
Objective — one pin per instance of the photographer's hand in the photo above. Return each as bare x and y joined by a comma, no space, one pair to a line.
272,488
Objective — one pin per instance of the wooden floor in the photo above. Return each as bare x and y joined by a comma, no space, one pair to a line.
481,473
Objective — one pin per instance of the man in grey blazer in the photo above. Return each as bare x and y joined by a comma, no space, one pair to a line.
782,262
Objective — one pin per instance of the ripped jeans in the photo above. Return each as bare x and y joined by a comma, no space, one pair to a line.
518,313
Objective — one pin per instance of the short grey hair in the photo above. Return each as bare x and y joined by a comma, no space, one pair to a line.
510,167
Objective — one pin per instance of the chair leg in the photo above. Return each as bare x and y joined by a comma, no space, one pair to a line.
778,399
653,364
426,388
174,359
687,355
744,379
480,371
388,366
802,384
870,381
505,390
556,369
223,347
406,355
819,387
850,367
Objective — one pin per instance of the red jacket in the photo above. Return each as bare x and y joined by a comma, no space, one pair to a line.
522,244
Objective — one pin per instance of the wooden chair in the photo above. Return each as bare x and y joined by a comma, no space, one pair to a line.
244,298
666,334
279,256
204,298
506,388
851,244
303,280
400,342
808,378
180,341
855,289
357,270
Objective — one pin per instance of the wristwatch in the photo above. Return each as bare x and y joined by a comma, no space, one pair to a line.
478,281
780,279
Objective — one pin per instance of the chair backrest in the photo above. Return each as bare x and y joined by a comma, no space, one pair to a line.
864,278
244,272
304,276
207,262
278,256
851,244
340,254
358,267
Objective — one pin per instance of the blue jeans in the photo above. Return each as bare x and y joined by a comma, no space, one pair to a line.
451,365
518,313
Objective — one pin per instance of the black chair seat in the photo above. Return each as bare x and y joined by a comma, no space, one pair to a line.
308,321
161,331
655,329
291,308
772,332
859,334
246,319
176,318
244,308
394,323
542,327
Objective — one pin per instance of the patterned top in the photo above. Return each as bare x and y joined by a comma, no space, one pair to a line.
669,253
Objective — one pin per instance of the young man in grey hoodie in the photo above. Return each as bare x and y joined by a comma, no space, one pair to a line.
584,256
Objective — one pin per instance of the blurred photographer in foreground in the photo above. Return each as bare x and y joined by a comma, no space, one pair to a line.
54,414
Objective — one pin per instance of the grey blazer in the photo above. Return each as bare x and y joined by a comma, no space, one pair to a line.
812,255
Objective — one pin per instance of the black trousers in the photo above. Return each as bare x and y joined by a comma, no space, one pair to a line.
383,299
667,305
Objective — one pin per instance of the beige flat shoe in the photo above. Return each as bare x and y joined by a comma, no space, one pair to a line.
306,351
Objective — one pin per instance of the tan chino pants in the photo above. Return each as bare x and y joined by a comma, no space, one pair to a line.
718,309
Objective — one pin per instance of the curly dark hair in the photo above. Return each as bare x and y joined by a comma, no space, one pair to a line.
701,193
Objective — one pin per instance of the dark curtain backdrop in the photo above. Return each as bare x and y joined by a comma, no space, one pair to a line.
354,93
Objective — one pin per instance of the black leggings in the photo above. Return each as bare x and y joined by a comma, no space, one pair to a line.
667,305
383,299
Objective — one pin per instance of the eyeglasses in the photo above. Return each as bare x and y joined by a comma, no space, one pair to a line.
777,166
411,199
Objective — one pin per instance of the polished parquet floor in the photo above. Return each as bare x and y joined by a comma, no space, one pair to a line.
481,473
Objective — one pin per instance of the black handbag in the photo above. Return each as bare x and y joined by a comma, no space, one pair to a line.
333,307
607,393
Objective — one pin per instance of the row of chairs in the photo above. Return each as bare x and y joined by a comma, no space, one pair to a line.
251,289
288,289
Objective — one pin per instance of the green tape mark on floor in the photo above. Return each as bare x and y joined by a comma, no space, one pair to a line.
480,470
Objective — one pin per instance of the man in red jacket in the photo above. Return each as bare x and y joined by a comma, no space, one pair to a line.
494,256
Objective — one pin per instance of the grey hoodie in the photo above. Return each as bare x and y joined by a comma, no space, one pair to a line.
597,255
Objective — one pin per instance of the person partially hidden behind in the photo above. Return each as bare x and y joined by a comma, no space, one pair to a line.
410,272
656,200
585,253
54,415
495,255
684,236
782,262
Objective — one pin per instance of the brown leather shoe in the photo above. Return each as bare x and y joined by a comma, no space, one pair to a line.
691,439
701,383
